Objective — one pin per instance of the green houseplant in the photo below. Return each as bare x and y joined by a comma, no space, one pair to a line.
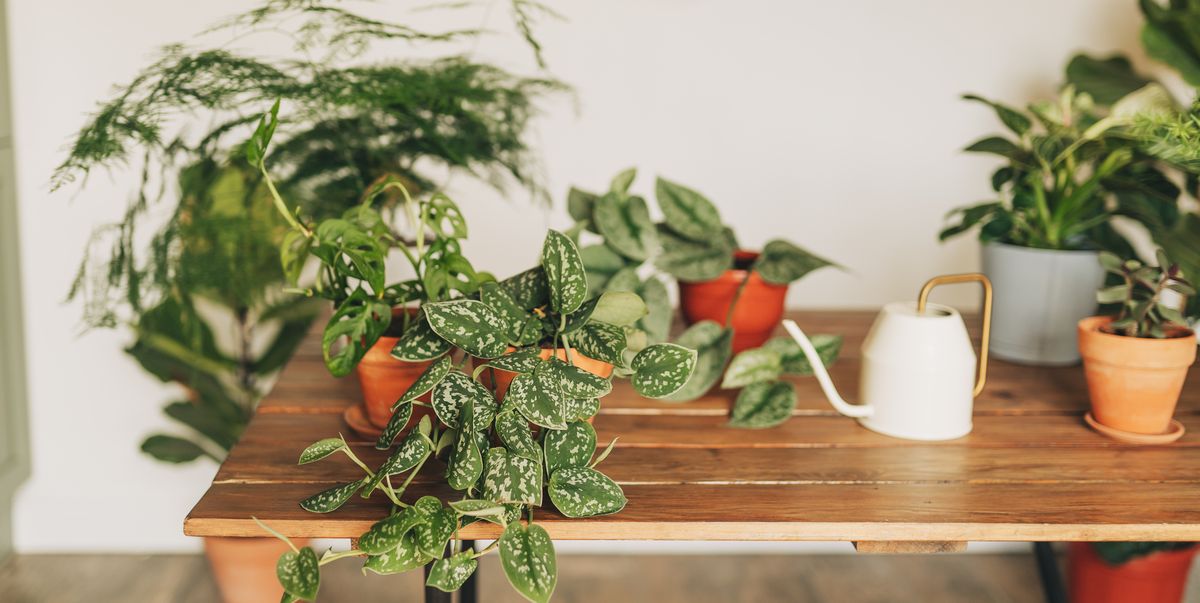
502,467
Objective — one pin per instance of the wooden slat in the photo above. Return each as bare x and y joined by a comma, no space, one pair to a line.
840,512
909,547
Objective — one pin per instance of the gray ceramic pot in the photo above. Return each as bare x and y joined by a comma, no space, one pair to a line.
1040,295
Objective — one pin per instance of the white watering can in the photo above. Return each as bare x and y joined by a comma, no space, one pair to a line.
918,379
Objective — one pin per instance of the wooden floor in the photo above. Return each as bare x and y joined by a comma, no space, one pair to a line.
582,579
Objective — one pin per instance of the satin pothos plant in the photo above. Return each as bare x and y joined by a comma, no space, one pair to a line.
506,451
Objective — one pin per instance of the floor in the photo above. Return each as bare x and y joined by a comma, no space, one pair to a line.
610,578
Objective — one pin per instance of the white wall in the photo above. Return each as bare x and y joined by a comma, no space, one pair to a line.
836,125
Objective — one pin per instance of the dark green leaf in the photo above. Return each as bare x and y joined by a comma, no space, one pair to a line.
1011,118
415,448
527,556
395,425
687,212
714,345
466,463
584,492
449,574
795,362
331,499
457,390
172,449
358,323
536,395
600,341
419,343
570,447
300,573
694,261
782,262
763,404
386,533
753,366
321,449
1106,80
662,369
657,321
625,224
406,555
564,273
468,324
511,478
580,203
431,376
575,382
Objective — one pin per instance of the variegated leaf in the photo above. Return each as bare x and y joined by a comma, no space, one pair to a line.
537,397
403,557
578,318
299,573
575,382
521,361
415,448
482,509
469,324
321,449
752,366
657,321
511,478
584,492
419,343
713,344
795,362
466,463
626,226
620,308
600,341
395,425
601,263
580,410
386,533
782,262
763,404
686,211
570,447
527,555
456,390
694,261
331,499
433,534
662,369
521,327
529,289
449,574
432,375
514,432
564,272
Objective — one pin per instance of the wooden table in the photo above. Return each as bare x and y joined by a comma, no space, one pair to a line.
1030,471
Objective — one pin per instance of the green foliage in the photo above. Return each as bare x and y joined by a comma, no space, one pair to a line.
767,401
1144,310
1117,553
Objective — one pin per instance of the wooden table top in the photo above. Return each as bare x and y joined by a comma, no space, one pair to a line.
1030,471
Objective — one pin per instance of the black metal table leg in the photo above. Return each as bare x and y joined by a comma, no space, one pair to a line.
470,589
1052,583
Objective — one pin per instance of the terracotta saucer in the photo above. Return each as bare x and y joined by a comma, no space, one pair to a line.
356,418
1174,432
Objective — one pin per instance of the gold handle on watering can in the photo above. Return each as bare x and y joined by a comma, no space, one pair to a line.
976,277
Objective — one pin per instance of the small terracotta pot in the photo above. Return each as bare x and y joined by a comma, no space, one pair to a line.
759,309
244,568
1156,578
1133,382
384,379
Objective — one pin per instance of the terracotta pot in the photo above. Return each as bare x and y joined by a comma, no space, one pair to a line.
1134,383
505,378
1156,578
758,311
384,379
244,568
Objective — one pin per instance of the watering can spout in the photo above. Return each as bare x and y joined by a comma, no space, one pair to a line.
814,359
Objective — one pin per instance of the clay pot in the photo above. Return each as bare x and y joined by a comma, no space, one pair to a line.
244,568
505,378
1134,383
758,311
1156,578
384,379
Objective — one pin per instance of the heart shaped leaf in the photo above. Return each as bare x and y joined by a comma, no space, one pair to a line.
386,533
529,289
321,449
432,535
753,366
469,324
456,390
449,574
782,262
405,556
536,396
580,410
564,272
570,447
585,492
514,432
694,261
511,478
625,224
686,211
600,341
466,463
763,404
520,326
795,362
431,376
299,573
620,308
575,382
419,343
395,425
331,499
527,555
714,345
657,321
579,204
662,369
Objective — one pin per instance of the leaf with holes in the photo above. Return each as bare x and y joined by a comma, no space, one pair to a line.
575,382
581,410
404,557
469,324
321,449
694,261
395,425
331,499
584,492
536,396
386,533
753,366
419,343
570,447
625,224
456,390
600,341
431,376
686,211
795,362
527,555
564,272
449,574
511,478
415,448
714,345
782,262
299,573
514,432
466,463
662,369
359,322
764,404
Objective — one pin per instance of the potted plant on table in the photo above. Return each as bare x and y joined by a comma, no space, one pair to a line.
1136,362
1116,572
504,451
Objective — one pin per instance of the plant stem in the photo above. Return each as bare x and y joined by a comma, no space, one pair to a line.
737,296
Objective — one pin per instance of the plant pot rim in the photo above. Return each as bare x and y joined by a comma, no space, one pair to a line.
1040,250
1093,324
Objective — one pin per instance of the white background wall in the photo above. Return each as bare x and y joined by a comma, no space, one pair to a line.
834,124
